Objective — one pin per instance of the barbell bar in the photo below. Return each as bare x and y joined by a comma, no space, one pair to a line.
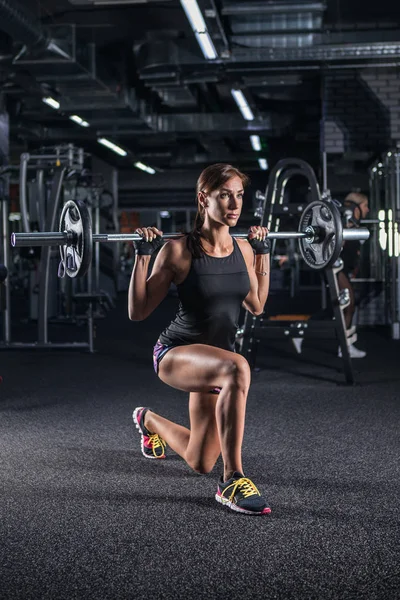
320,236
52,238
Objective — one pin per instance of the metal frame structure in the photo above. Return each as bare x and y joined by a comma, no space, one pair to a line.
62,160
256,328
385,194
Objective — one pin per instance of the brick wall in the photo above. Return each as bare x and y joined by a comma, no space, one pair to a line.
385,84
362,110
334,138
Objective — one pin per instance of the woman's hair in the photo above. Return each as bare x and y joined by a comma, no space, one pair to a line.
211,179
356,198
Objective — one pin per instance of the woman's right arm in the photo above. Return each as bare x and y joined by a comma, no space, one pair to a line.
145,293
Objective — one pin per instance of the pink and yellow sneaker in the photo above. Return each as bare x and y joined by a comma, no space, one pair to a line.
152,445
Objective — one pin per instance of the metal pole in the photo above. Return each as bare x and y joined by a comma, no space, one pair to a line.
44,238
97,249
41,199
396,259
324,171
322,134
90,309
4,182
23,201
44,266
59,239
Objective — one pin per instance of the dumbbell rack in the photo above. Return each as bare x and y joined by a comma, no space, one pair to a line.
255,329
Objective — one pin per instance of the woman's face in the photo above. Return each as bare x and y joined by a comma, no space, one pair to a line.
364,208
224,205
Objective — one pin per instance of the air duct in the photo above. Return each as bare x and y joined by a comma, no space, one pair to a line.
21,25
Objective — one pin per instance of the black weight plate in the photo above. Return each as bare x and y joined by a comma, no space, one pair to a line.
324,251
76,255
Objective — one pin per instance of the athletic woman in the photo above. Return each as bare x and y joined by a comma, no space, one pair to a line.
215,275
358,204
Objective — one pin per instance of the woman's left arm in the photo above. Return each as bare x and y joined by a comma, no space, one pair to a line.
258,267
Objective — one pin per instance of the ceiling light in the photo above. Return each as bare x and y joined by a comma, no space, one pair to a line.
79,121
51,102
255,142
112,146
194,15
242,104
263,164
206,45
199,27
143,167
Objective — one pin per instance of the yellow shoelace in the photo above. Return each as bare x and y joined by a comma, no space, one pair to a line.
245,486
157,442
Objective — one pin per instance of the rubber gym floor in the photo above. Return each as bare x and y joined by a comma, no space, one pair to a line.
85,515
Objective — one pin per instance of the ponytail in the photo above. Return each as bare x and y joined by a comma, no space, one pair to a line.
194,238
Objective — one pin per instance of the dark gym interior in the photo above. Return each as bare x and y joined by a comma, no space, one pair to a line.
114,108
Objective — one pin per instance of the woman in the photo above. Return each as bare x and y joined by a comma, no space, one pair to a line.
214,274
358,205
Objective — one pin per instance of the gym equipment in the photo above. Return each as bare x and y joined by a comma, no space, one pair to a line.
324,221
385,242
320,215
3,273
320,235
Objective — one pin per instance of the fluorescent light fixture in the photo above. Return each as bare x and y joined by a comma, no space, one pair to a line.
263,164
143,167
390,232
194,15
112,146
242,103
206,45
255,142
199,27
79,121
51,102
382,230
165,214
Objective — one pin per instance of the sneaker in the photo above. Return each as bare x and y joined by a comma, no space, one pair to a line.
240,494
354,352
152,445
297,343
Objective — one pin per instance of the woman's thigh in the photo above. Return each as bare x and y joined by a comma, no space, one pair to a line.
200,368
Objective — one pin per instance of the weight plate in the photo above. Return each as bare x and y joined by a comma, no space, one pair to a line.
322,251
76,255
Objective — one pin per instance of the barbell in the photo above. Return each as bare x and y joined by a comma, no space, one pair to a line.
320,236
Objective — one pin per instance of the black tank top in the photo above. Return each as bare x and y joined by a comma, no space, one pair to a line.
210,300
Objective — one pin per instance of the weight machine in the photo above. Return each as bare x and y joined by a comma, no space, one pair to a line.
323,257
385,198
55,170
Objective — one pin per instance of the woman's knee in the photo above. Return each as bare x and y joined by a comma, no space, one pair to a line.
202,466
237,370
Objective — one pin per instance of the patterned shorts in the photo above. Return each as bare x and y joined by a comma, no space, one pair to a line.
161,350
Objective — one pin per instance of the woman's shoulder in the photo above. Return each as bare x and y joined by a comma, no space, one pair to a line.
243,244
246,249
177,248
